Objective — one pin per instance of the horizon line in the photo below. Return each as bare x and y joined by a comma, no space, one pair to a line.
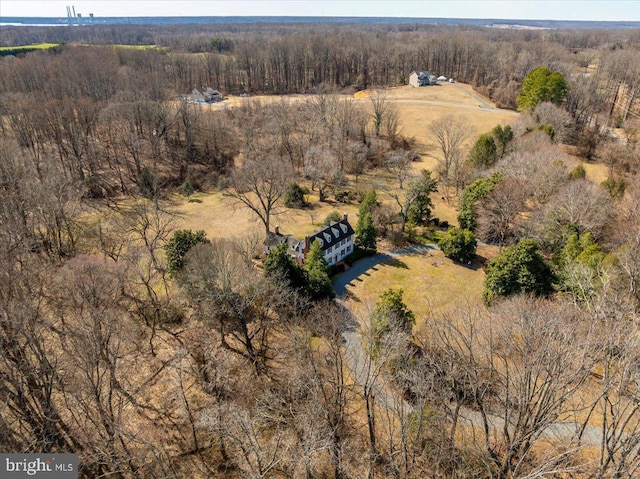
330,16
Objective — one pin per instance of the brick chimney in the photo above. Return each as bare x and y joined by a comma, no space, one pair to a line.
277,230
345,216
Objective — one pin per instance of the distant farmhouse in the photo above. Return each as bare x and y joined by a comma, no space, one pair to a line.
336,242
206,95
421,78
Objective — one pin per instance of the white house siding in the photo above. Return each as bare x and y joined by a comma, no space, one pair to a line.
339,251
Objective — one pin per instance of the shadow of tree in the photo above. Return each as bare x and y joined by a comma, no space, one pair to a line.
349,296
479,262
396,263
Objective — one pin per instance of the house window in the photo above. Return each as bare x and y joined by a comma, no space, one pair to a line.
343,242
335,258
342,253
330,248
348,248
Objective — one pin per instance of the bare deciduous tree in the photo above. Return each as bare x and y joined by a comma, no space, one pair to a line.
399,164
512,367
499,211
617,402
582,204
329,378
537,163
450,134
320,166
234,298
29,377
380,351
259,184
383,113
561,121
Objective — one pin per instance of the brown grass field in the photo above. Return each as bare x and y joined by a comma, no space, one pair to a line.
417,109
430,282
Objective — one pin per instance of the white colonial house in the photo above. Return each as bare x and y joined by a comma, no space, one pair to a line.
336,242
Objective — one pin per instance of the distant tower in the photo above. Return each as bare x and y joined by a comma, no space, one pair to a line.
91,18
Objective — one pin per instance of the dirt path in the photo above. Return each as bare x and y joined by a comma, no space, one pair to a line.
480,100
482,105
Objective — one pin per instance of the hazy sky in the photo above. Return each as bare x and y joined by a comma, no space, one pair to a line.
521,9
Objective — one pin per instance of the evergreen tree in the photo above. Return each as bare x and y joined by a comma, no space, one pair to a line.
179,245
279,264
366,234
503,136
294,196
391,312
147,183
616,188
369,203
318,282
332,217
367,206
483,154
579,269
578,172
458,244
539,86
470,196
419,213
520,268
187,189
582,249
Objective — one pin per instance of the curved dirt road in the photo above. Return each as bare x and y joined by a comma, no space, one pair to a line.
360,365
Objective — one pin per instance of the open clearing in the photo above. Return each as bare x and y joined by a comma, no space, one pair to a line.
417,108
430,282
220,217
36,46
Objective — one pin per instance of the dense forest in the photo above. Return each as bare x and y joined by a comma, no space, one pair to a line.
156,352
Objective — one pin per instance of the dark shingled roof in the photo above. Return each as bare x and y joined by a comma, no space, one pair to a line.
294,246
423,74
274,239
332,234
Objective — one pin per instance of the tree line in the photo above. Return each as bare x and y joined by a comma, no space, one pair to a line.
284,59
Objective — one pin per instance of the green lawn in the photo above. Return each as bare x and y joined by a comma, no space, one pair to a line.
37,46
